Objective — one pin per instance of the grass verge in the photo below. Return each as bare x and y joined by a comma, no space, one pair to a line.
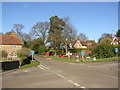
33,63
1,70
66,59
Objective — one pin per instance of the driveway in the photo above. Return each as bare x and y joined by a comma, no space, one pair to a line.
56,74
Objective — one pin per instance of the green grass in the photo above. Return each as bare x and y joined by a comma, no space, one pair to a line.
1,70
65,59
33,63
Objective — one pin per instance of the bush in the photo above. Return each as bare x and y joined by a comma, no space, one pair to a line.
103,51
42,50
3,53
24,55
60,52
75,50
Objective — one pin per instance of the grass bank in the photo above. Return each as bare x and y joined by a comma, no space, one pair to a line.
33,63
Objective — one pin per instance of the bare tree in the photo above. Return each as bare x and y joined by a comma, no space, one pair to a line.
83,37
106,35
40,30
69,33
17,28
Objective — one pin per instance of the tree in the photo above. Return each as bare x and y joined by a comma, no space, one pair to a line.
42,50
83,37
36,43
41,30
17,28
1,33
118,33
105,41
105,38
106,35
26,39
69,33
56,31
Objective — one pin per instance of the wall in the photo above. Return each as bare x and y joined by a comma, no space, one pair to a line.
9,65
10,48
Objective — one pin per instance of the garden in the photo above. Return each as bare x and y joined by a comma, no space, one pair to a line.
23,60
101,53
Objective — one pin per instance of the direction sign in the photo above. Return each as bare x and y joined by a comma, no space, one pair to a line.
32,52
82,53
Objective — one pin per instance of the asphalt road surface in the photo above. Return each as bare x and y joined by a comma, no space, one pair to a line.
56,74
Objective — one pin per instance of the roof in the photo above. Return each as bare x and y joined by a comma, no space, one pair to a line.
10,40
115,40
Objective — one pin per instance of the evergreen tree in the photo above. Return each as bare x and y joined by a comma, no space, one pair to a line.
56,31
118,33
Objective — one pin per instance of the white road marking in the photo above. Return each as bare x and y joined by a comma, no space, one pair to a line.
111,76
41,68
82,87
76,84
26,70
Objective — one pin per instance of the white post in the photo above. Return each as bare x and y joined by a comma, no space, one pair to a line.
32,57
83,57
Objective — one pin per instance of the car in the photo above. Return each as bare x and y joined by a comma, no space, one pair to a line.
62,55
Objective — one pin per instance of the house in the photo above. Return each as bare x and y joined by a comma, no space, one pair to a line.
83,44
10,43
79,45
115,41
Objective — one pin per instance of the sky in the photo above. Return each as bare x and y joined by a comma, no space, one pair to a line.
90,18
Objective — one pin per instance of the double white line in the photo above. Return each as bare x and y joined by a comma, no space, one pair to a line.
40,66
70,81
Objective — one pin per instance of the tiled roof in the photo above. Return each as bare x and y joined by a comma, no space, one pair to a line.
10,40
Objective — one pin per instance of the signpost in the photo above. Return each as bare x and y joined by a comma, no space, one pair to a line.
32,53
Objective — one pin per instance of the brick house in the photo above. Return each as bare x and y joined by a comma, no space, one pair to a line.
10,43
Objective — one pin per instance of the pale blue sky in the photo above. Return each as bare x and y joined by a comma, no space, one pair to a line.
90,18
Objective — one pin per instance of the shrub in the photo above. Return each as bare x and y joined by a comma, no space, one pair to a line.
103,51
42,50
75,50
60,52
3,53
24,55
35,47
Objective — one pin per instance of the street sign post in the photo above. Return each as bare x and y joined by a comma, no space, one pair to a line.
82,53
32,53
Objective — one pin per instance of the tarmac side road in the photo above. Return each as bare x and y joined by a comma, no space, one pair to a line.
56,74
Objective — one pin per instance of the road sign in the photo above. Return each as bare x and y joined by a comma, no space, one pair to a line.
116,49
82,53
32,52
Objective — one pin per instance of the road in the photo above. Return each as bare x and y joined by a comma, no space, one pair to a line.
56,74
